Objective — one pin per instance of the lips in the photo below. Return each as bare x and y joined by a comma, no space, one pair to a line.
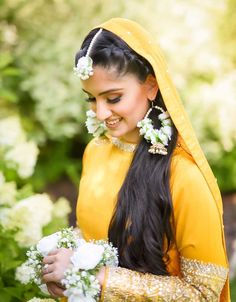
113,123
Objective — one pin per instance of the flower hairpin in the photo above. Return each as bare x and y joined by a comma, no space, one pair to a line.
84,67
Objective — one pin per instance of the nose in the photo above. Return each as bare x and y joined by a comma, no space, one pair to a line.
102,111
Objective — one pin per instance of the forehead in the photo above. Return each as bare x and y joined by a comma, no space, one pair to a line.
104,79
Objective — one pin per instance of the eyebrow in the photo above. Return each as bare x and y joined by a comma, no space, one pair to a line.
104,92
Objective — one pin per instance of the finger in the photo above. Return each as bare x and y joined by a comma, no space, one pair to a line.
49,259
47,269
50,277
60,285
54,252
55,290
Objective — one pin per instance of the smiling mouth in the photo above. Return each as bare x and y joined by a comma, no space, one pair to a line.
113,123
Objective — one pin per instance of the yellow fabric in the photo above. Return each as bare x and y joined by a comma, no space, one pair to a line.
196,196
104,170
196,221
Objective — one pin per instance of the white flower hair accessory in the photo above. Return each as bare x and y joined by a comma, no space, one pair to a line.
159,138
94,126
84,67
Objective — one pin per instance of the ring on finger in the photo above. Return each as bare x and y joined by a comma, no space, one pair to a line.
45,268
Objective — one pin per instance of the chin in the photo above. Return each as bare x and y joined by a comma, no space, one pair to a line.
117,134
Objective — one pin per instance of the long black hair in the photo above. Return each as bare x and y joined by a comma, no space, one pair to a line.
140,227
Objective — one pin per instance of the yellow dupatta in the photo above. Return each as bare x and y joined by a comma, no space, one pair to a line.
144,44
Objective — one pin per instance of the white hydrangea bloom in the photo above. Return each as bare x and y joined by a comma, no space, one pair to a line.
29,236
8,192
4,217
29,216
61,208
23,156
24,273
11,131
2,179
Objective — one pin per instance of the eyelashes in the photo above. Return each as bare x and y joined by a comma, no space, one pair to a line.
113,101
110,101
90,100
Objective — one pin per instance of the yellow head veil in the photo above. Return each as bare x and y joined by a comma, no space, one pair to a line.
144,44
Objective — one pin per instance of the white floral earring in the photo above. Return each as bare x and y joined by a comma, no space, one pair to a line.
159,138
94,126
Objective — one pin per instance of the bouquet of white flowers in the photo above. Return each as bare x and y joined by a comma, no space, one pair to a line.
80,280
32,268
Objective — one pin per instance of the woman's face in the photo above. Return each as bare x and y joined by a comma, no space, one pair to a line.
120,101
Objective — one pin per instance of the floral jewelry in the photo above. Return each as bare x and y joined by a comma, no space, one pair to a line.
159,138
80,280
84,67
94,126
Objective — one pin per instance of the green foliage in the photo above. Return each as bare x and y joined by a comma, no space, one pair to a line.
55,160
227,30
12,256
225,170
8,76
233,290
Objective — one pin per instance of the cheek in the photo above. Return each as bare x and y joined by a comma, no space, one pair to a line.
136,113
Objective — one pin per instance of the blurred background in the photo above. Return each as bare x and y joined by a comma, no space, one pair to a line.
42,109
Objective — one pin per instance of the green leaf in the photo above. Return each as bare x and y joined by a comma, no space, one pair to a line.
11,71
13,292
13,264
8,95
5,296
5,59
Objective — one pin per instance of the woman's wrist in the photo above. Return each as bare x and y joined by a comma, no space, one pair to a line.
101,276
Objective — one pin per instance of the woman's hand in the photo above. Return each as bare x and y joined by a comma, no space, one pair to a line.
101,275
56,264
55,290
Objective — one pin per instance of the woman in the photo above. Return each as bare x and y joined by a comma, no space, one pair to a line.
153,195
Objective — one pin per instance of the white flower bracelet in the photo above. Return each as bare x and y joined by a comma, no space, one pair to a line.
80,280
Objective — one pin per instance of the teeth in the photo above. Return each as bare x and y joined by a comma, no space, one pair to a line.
113,122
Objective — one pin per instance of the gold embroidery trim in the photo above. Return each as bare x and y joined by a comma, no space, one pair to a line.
127,147
200,282
124,146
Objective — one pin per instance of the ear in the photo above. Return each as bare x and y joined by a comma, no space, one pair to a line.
151,86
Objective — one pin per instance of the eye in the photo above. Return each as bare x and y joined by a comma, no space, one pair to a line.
90,99
114,100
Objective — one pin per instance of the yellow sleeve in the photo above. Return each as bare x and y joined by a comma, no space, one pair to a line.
198,236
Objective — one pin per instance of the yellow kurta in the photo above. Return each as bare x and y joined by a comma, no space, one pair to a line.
198,259
198,263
